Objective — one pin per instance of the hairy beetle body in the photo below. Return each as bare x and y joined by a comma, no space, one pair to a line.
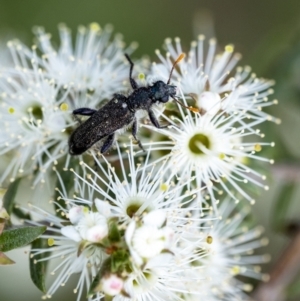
118,113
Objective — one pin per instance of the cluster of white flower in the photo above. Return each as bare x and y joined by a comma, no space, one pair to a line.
39,93
166,224
141,237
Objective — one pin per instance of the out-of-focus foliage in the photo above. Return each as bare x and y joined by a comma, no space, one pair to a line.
278,57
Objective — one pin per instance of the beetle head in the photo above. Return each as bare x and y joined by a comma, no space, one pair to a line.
161,91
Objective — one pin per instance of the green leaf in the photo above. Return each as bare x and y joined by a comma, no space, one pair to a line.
14,238
20,213
4,260
281,206
293,290
38,268
9,197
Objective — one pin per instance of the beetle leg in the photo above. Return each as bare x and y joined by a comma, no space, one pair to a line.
134,132
84,111
155,121
133,83
107,143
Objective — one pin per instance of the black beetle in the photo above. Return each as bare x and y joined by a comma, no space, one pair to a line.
118,113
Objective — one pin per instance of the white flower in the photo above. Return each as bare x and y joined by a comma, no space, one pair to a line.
76,214
212,255
151,238
212,149
90,226
32,120
138,229
210,102
150,284
36,105
38,94
225,251
148,241
141,189
161,253
96,62
151,252
73,246
148,206
112,285
209,79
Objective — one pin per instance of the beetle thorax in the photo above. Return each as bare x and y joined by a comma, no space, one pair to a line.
139,100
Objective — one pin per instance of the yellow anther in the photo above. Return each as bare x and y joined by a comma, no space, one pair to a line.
51,242
257,147
229,48
64,106
235,270
222,156
164,187
209,239
141,76
95,26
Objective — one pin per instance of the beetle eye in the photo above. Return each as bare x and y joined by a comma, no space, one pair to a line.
165,98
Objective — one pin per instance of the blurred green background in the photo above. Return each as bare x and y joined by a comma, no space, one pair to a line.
245,23
266,32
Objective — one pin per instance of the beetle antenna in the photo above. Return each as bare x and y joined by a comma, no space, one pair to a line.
193,109
181,57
